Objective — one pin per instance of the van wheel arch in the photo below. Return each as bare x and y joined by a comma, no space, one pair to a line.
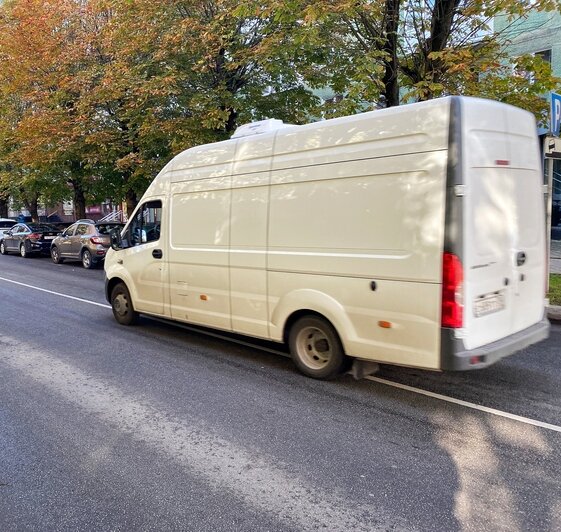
294,317
112,283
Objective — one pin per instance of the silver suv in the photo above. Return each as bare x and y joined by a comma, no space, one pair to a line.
85,241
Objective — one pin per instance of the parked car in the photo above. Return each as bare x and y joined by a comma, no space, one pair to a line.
28,239
85,241
5,224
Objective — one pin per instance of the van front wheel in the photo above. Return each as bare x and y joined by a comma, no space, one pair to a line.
121,305
316,348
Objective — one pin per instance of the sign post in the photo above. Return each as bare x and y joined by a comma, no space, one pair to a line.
555,114
552,151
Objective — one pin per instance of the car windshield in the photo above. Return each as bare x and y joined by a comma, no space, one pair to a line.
105,229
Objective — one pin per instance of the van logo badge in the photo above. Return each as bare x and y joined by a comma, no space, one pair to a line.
520,258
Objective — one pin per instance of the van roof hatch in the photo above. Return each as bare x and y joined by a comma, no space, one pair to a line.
262,126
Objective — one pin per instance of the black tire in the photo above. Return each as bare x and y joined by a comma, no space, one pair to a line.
316,349
3,249
121,304
55,255
23,251
87,260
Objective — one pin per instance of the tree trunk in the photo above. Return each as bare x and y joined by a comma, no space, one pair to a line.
32,205
79,199
131,200
3,208
390,80
443,15
231,124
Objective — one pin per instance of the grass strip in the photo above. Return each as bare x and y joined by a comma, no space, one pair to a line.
554,289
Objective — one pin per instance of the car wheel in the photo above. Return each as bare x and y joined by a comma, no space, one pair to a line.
316,348
3,249
23,251
121,305
55,255
87,261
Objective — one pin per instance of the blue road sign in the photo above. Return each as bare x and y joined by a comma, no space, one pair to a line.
555,113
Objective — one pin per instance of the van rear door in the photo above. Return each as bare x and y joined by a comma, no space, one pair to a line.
504,233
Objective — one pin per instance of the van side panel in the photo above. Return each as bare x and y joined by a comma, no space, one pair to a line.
249,212
347,208
200,199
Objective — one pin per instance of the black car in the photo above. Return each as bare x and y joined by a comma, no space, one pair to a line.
29,239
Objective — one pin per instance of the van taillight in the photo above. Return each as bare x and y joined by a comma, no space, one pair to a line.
452,288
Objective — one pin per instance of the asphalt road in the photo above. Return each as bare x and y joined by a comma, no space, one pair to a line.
152,427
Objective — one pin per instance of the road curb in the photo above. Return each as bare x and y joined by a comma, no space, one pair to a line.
554,313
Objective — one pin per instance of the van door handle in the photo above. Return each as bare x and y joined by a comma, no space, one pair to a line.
157,254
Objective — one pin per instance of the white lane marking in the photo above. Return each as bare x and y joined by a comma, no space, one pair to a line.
55,293
259,479
467,404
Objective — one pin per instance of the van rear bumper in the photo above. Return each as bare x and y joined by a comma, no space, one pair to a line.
454,356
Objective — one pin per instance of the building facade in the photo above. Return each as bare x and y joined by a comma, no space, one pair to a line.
537,33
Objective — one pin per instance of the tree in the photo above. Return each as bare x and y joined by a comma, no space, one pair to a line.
42,50
164,76
384,52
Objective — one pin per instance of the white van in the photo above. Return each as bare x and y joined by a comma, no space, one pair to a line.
412,235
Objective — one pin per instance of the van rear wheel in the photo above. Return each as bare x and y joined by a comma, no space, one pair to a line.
316,348
121,304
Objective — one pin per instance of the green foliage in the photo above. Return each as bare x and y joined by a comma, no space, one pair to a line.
112,90
554,294
435,49
101,94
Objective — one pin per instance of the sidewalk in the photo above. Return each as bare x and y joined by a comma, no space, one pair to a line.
554,312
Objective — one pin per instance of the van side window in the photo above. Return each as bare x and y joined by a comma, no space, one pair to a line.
145,226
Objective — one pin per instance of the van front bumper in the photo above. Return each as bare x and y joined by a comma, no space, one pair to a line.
454,356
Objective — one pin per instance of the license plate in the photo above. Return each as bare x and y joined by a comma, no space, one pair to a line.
488,304
49,238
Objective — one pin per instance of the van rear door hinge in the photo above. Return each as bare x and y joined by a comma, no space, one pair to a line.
460,190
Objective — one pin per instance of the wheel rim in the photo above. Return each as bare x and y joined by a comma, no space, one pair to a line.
22,251
121,305
86,259
2,249
313,347
54,253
